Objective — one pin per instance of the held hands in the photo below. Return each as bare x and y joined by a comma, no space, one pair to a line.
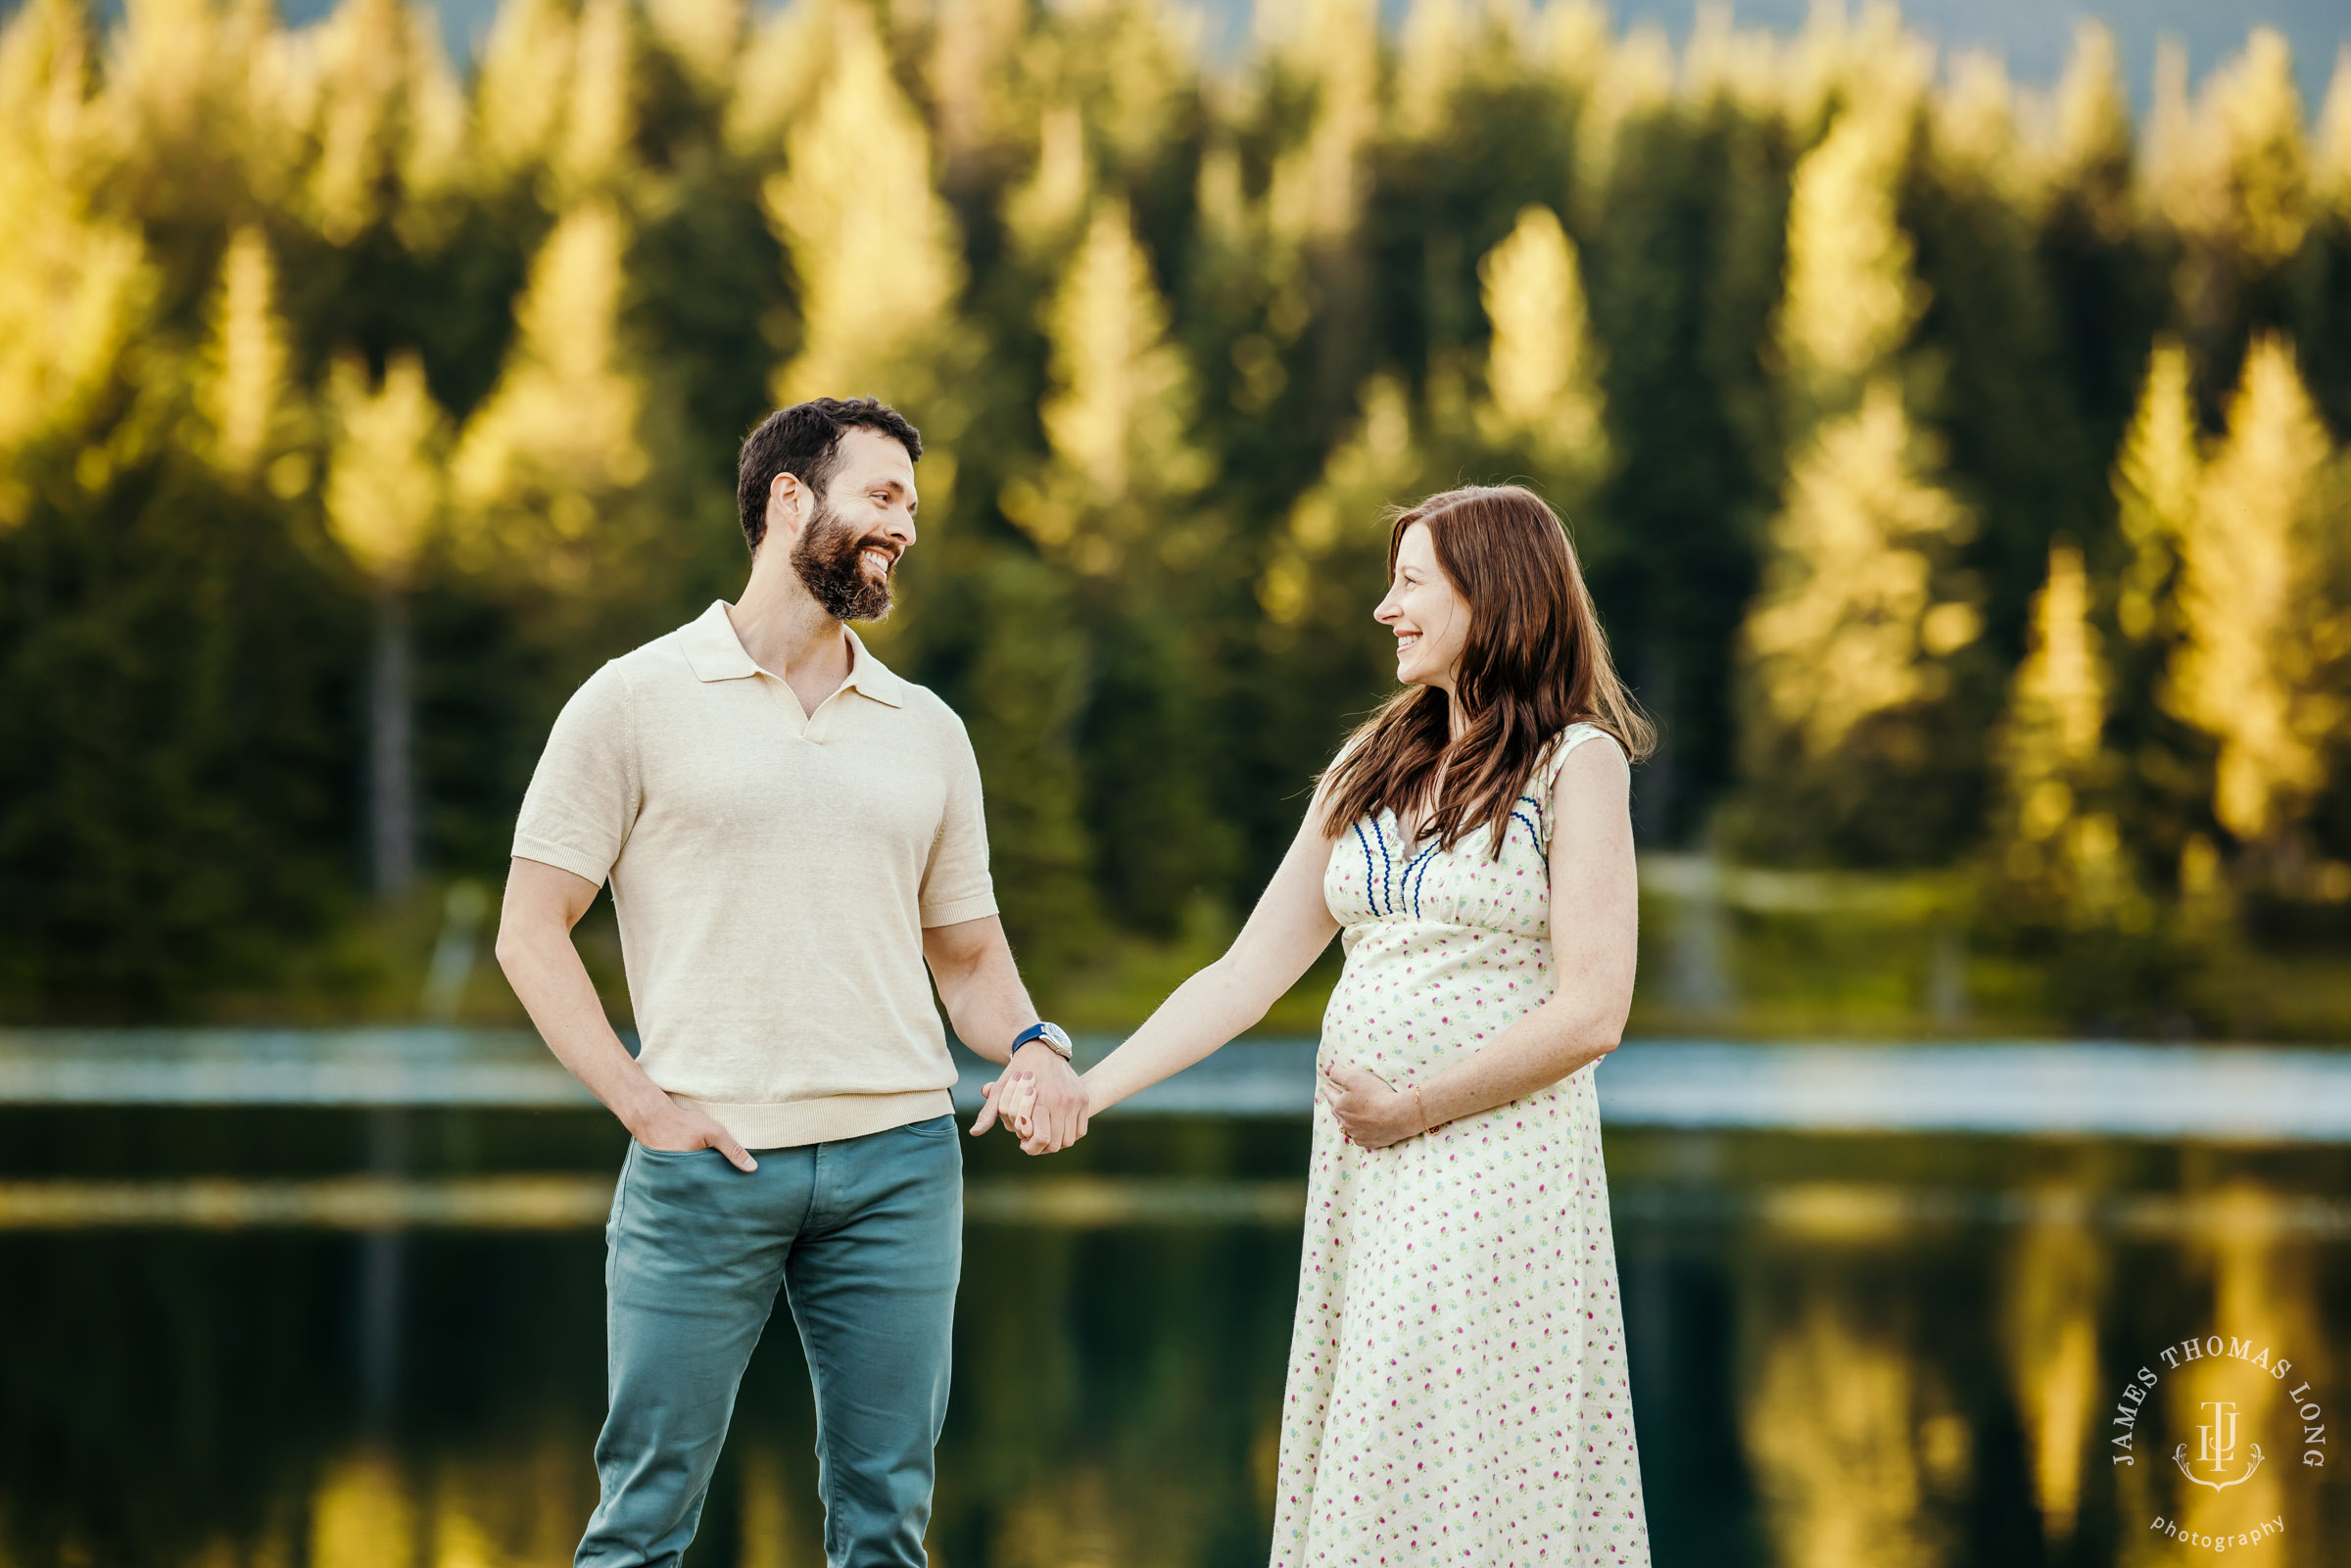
1039,1099
674,1127
1369,1112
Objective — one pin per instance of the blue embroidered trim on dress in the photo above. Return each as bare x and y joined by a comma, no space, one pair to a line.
1424,861
1532,832
1542,819
1369,896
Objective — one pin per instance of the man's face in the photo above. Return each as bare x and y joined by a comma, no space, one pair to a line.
861,526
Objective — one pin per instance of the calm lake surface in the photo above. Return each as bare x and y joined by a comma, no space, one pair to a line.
1848,1350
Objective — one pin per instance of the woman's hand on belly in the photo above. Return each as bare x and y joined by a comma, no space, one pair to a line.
1369,1112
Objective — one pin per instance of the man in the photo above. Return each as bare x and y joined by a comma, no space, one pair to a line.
791,830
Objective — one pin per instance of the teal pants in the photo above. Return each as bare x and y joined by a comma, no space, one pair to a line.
865,1238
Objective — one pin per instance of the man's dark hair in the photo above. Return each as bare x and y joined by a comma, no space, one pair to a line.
804,442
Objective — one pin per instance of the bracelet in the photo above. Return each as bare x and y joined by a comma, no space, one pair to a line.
1423,1107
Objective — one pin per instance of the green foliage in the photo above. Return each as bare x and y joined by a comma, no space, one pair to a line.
313,354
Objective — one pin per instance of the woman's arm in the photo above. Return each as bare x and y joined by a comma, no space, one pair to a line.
1289,928
1595,918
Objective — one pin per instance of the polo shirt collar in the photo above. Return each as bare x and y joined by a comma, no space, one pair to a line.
870,677
715,653
713,648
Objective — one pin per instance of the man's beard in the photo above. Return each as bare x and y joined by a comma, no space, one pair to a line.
827,555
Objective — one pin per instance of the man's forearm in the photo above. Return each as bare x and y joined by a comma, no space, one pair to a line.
987,1002
547,974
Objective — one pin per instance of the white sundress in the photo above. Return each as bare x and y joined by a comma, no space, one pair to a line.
1457,1387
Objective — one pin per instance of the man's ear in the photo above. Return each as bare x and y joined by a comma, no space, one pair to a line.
785,494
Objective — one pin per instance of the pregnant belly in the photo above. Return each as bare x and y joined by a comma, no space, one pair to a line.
1403,1025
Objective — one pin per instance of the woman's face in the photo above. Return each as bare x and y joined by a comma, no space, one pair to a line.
1427,614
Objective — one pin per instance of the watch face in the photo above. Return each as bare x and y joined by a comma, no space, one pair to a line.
1060,1039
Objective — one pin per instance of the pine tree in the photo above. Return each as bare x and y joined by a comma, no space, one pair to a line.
1319,183
1431,61
1118,502
244,386
1316,189
705,36
558,437
1542,397
2265,626
521,88
2061,844
1046,214
2155,480
1131,67
974,47
1118,417
1023,702
2093,151
389,115
2331,148
1342,518
1851,635
384,497
873,248
783,64
1851,296
1848,625
2230,176
75,283
599,120
2255,181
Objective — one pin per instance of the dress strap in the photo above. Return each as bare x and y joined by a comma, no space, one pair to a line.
1553,755
1543,781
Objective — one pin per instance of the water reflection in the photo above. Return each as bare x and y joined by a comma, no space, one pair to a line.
2264,1288
1847,1353
2052,1300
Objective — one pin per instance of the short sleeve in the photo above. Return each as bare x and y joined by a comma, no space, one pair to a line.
586,792
956,887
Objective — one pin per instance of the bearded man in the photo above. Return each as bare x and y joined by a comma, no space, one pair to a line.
790,832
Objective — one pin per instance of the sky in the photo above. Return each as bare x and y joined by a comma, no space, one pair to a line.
2035,35
2032,35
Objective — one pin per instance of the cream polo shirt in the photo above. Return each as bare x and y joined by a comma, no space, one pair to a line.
773,872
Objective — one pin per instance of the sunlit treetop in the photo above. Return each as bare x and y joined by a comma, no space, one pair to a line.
2264,630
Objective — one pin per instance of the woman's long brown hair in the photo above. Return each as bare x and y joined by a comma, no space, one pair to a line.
1536,661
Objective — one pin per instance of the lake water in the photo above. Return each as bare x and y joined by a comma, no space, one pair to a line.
359,1338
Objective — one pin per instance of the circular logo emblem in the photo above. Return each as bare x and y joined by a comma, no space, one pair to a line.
2221,1418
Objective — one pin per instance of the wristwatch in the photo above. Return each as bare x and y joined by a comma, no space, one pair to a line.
1049,1035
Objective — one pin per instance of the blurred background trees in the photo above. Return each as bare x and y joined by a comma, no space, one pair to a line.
1960,468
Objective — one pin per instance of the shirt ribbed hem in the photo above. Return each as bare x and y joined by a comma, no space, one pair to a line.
977,906
562,857
796,1123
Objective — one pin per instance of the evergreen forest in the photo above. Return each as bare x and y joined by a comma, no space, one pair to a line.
1961,467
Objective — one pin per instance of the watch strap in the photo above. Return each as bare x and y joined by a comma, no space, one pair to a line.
1052,1037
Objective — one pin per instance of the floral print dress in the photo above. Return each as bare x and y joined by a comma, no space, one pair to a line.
1457,1387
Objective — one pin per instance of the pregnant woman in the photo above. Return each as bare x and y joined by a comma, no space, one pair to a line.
1457,1383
